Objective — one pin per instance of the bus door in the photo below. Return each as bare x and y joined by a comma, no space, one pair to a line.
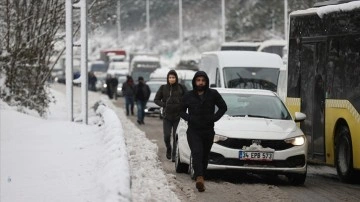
312,95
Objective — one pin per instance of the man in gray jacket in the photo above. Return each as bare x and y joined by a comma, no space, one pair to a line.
169,97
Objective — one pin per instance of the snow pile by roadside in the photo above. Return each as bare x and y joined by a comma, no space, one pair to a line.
115,167
148,179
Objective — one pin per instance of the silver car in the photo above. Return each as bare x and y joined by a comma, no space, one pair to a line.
152,108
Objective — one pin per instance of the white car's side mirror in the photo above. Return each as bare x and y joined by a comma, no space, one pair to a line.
299,116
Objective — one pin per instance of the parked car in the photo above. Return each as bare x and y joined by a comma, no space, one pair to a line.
152,108
256,134
101,83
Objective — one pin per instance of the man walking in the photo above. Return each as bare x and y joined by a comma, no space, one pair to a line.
142,94
169,97
128,90
199,111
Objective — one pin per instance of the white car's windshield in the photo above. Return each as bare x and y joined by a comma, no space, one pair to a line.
251,77
250,105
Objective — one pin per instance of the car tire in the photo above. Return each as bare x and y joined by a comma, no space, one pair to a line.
343,155
296,179
179,166
191,169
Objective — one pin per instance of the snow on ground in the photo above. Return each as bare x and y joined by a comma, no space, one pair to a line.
56,160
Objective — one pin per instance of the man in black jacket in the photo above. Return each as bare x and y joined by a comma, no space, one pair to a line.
128,90
169,96
199,111
142,94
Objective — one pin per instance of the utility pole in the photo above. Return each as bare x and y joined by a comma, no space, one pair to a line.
148,24
118,24
223,20
180,28
285,19
84,60
69,6
69,59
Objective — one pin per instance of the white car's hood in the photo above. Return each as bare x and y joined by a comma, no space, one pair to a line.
152,97
254,128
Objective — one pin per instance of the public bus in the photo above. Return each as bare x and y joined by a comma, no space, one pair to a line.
144,65
324,82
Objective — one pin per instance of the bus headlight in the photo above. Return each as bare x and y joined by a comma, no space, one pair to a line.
218,138
296,141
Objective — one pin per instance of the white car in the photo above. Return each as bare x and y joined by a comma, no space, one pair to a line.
256,134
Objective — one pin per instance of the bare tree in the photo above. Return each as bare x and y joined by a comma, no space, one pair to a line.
29,28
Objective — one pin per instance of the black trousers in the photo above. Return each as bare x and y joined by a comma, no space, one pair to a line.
169,127
200,143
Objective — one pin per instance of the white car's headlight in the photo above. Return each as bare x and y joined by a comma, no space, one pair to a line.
218,138
297,141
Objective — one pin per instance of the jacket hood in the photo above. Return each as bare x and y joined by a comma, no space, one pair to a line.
172,72
200,73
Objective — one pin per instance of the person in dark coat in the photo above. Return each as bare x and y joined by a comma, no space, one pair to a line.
92,81
199,111
142,94
114,85
169,97
108,82
128,90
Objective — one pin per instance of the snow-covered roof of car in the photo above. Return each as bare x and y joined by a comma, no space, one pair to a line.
246,91
272,42
245,43
247,59
185,74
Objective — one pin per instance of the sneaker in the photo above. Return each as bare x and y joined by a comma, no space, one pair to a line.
139,122
142,122
168,153
200,183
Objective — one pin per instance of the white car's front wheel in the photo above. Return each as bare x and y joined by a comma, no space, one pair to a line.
179,166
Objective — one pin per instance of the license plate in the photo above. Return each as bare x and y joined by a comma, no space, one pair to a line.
256,155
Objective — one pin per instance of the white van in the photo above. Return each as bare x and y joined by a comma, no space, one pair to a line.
245,69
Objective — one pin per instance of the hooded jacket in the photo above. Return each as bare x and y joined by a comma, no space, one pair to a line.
200,113
128,87
142,91
169,96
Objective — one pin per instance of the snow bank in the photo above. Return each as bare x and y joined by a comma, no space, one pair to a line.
115,182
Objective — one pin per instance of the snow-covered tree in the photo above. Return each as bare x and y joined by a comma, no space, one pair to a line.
28,30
